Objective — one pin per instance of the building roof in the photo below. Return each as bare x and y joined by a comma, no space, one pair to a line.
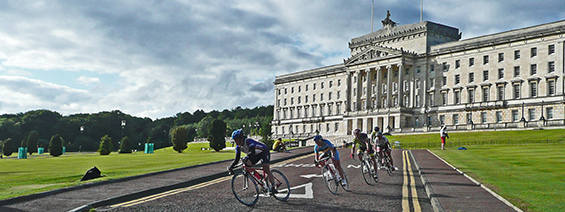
312,73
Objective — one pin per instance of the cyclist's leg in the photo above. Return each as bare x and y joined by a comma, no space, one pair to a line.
360,152
266,156
372,156
337,164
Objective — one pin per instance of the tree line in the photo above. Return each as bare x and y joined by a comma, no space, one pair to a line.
84,132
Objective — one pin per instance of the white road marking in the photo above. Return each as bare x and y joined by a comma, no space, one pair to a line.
308,192
311,175
354,166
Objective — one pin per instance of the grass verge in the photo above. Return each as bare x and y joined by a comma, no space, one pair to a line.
531,176
37,174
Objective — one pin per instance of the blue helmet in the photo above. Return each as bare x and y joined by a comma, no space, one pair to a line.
237,134
317,137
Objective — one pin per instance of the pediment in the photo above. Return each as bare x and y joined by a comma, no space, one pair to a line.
373,53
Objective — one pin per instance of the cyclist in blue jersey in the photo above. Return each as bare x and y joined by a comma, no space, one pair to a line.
255,151
325,146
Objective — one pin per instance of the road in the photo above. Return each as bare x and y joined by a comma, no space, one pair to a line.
403,191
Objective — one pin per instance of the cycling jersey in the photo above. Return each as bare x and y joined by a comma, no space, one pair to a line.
327,146
382,141
373,137
255,151
361,141
277,144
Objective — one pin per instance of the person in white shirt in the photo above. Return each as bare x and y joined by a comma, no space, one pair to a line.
443,134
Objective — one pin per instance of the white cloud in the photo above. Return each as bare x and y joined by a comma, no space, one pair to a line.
88,80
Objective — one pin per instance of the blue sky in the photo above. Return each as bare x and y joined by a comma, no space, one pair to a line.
158,58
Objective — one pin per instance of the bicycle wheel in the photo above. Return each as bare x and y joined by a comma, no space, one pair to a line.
346,186
388,165
245,189
328,178
281,185
366,172
373,171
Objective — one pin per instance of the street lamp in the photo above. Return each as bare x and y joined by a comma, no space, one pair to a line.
81,132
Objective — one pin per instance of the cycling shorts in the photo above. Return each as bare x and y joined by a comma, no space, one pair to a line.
383,148
362,150
334,156
265,156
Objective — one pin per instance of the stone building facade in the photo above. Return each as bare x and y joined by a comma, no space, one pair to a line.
417,77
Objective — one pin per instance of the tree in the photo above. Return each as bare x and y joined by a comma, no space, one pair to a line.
204,126
217,133
265,132
31,141
179,137
125,146
7,148
191,131
56,146
105,145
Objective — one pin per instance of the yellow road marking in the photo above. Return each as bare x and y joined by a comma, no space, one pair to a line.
405,204
193,187
415,201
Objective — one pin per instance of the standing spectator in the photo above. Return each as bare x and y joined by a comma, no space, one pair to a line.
444,136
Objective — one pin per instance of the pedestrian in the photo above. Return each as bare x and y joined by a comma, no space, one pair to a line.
443,134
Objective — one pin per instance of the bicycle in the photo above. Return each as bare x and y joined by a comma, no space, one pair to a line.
330,174
385,162
248,195
368,169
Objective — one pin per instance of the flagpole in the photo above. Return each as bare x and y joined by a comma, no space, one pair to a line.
421,10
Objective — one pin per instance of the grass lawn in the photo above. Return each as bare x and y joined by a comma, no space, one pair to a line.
21,177
531,176
457,139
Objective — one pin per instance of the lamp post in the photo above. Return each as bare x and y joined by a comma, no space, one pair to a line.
81,132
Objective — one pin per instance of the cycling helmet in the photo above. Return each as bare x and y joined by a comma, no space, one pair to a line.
377,129
355,131
237,134
317,137
379,134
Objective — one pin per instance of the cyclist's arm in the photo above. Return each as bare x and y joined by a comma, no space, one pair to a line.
237,156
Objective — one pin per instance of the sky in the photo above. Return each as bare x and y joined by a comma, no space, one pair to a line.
158,58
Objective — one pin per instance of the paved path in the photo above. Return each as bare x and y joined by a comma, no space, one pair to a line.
402,191
453,190
72,199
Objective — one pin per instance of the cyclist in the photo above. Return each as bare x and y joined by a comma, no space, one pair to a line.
382,145
255,151
364,143
323,145
374,134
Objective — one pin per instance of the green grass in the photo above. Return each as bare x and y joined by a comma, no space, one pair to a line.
531,176
37,174
457,139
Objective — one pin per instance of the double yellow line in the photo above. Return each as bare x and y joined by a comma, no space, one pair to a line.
193,187
407,173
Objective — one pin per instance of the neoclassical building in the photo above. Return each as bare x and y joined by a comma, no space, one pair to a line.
417,77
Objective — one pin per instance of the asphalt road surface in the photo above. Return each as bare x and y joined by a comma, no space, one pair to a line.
403,191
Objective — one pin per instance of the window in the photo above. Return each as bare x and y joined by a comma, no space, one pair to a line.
322,85
498,116
516,71
516,54
485,75
313,97
500,57
550,66
532,114
500,93
500,73
313,111
471,77
330,109
284,101
306,99
338,94
445,67
429,120
338,82
457,63
533,89
338,109
331,83
298,100
455,119
485,59
551,87
330,96
299,88
292,90
550,49
278,102
533,69
336,126
516,88
515,116
321,97
314,86
442,119
533,52
471,62
483,117
485,94
444,81
444,98
285,91
469,118
432,83
291,100
457,79
457,97
279,91
306,87
549,112
471,95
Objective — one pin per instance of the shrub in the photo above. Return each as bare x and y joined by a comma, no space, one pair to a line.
105,145
179,138
31,141
125,146
56,146
7,147
217,133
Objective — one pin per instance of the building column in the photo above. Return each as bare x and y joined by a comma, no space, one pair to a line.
348,93
400,85
388,84
358,90
378,85
368,103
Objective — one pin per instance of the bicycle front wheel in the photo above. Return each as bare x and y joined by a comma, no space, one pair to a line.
366,172
281,185
245,189
328,178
